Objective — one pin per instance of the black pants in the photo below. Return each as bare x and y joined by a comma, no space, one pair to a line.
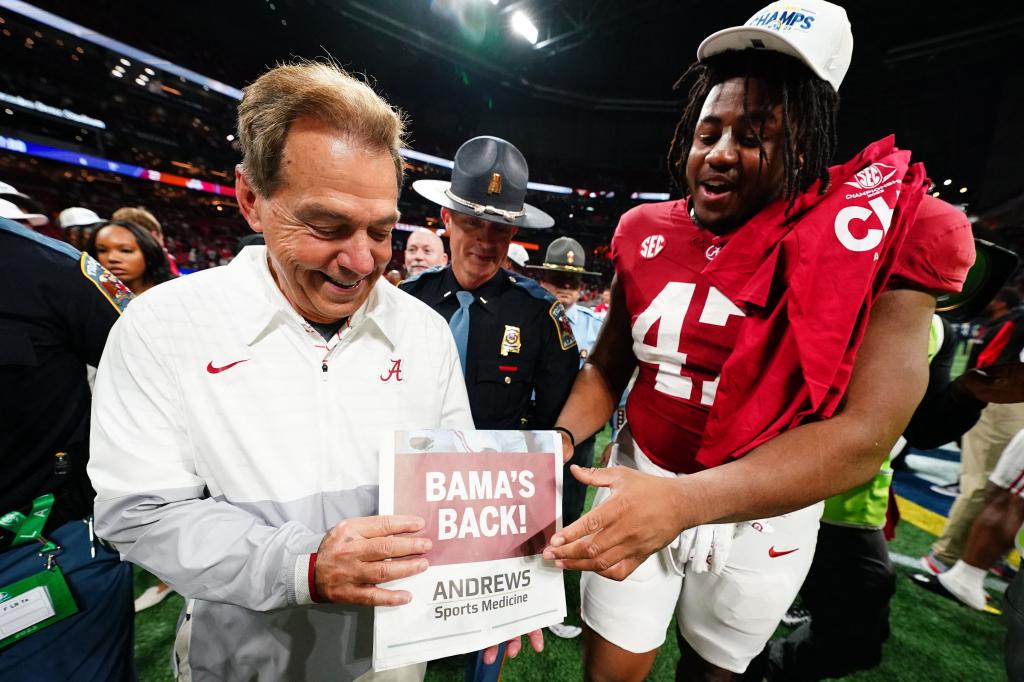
574,493
1015,629
847,592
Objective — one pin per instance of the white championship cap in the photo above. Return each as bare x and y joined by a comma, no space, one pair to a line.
76,216
517,254
12,212
814,31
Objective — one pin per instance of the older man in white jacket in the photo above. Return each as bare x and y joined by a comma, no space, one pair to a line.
237,411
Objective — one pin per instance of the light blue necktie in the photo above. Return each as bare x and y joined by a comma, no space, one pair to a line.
460,325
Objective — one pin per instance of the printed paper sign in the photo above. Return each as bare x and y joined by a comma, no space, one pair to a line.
491,501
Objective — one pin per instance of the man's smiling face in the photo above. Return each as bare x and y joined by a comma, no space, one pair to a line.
328,225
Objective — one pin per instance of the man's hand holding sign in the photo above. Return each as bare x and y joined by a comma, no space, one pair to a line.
358,554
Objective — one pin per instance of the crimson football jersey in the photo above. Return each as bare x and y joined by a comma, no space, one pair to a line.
683,329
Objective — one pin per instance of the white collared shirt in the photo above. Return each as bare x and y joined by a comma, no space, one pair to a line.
227,436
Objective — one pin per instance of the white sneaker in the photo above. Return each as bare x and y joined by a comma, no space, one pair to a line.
152,596
565,631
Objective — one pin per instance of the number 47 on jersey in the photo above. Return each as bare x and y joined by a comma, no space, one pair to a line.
670,308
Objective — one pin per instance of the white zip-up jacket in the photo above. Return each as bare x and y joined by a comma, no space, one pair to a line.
228,437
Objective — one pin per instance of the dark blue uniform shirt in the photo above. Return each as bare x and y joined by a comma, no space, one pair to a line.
520,345
56,307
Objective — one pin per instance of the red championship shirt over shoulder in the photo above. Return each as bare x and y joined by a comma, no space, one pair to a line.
938,250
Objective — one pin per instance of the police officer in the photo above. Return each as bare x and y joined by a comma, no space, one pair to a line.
56,307
562,275
514,338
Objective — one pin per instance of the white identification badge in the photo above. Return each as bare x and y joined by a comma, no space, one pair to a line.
25,610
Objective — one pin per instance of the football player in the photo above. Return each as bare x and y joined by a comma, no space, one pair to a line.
778,316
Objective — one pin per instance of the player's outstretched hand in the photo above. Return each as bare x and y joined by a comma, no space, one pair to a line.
641,516
996,383
352,559
515,645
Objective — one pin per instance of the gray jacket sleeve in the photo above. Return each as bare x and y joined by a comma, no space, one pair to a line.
153,506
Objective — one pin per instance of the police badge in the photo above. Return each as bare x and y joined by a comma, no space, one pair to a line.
511,341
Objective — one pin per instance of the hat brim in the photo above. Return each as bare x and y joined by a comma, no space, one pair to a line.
740,37
434,190
569,270
993,267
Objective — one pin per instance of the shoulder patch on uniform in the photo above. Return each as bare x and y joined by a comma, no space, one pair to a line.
562,326
110,286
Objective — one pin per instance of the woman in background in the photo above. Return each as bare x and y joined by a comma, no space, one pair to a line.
131,254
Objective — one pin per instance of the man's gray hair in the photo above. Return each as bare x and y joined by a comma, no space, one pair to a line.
320,90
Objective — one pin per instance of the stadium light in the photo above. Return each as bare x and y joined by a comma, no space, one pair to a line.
963,190
947,182
522,25
125,62
650,196
150,71
230,138
116,74
427,158
545,187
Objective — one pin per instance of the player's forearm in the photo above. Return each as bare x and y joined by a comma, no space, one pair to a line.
590,404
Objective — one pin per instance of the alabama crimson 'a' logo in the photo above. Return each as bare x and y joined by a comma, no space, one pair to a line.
395,372
652,246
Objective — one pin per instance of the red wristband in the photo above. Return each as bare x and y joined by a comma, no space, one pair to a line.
311,578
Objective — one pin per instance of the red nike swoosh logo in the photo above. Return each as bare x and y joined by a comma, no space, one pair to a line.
773,554
216,370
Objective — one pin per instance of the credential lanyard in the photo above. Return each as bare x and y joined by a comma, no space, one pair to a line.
29,527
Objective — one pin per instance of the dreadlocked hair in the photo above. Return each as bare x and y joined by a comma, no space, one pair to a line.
809,107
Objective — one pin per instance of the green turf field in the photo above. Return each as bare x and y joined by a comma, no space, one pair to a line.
933,640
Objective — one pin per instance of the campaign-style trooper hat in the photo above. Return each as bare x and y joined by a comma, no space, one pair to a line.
489,182
565,254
